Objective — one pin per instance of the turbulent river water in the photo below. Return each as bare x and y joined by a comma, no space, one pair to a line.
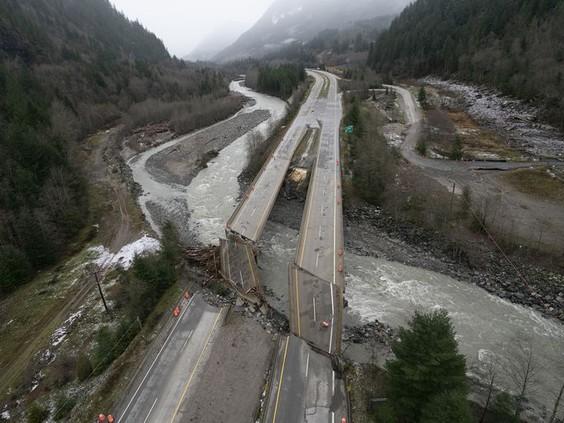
206,204
488,328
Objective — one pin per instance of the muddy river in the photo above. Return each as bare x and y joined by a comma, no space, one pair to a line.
488,328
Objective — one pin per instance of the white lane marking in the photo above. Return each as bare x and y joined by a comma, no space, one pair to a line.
333,389
253,212
150,410
335,206
155,360
332,417
314,310
242,280
332,320
307,365
317,261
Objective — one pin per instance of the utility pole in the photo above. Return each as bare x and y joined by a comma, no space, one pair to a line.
96,277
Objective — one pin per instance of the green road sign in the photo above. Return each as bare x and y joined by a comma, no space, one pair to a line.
349,129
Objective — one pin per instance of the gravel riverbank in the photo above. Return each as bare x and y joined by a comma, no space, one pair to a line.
369,232
180,163
516,121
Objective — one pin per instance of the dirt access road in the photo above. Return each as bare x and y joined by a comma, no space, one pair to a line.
533,221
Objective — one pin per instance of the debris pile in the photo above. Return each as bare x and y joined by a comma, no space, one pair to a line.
205,257
374,331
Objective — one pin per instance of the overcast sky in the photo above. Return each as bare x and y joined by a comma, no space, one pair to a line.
182,24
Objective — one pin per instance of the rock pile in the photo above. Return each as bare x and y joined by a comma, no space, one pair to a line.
373,331
516,120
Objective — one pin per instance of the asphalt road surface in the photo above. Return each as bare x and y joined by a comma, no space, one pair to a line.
315,310
317,279
251,215
321,244
163,382
304,387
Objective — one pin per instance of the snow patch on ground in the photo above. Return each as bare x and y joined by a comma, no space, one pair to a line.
124,257
393,134
61,333
518,121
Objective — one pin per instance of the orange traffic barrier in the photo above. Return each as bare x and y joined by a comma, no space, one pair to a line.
186,295
101,418
110,418
340,252
340,268
176,311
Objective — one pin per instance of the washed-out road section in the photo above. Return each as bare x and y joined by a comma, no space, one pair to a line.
307,384
250,217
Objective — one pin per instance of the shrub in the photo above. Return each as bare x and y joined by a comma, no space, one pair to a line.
456,149
103,354
61,371
37,413
110,344
421,147
63,407
83,367
422,97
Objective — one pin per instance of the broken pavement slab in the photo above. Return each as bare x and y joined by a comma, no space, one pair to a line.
239,268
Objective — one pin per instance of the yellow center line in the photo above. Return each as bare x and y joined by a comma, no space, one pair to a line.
280,380
195,367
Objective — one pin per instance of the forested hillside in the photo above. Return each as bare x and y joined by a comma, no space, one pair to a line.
68,68
516,46
279,80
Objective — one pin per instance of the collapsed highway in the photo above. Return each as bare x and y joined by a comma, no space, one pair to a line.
205,348
307,360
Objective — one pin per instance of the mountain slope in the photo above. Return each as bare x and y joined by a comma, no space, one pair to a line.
516,46
68,68
300,20
33,29
216,42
